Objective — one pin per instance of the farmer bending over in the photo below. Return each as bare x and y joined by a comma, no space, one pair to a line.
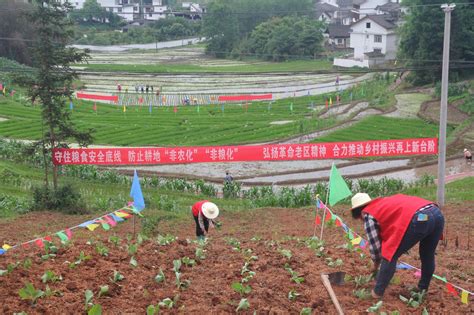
395,224
204,212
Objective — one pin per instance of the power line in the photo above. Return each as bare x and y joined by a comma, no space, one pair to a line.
249,12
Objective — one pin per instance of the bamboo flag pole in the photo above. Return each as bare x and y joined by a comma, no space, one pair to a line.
324,212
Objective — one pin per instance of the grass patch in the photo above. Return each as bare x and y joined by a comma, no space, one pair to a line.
383,128
297,65
457,191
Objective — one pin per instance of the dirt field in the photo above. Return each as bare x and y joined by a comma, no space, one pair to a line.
265,232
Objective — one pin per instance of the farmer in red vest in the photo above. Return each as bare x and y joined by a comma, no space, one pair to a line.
395,224
204,212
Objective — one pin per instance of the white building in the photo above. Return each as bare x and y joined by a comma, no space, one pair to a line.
374,40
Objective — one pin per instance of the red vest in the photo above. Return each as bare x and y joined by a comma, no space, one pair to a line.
197,207
393,215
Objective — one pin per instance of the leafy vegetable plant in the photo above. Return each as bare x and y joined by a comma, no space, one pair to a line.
28,292
160,277
50,276
243,305
240,288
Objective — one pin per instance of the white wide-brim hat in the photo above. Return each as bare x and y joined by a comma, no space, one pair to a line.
210,210
359,200
465,150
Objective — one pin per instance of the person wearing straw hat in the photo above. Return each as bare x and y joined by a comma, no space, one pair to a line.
394,224
467,155
204,212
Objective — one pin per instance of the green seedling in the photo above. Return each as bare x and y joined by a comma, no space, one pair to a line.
117,277
82,258
168,303
243,305
245,268
188,261
285,253
415,300
50,250
362,280
89,295
362,294
234,243
334,263
96,309
165,240
177,265
132,249
160,277
3,272
292,295
114,239
50,276
48,292
306,311
375,308
240,288
181,284
101,249
200,253
28,292
256,239
294,275
104,290
141,238
152,310
133,262
12,266
27,263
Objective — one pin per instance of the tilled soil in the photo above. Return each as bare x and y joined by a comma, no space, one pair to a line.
265,232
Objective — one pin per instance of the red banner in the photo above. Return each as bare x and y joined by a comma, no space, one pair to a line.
271,152
113,98
239,98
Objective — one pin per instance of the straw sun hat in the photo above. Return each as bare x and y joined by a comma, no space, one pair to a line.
210,210
359,200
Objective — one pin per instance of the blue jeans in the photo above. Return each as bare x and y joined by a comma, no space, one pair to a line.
425,231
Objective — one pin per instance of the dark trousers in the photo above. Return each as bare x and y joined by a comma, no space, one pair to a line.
427,233
199,231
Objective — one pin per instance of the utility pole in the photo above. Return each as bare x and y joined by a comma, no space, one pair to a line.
447,8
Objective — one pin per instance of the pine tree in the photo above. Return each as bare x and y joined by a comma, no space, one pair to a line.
51,87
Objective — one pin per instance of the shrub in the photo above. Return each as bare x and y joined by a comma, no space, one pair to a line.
64,199
231,189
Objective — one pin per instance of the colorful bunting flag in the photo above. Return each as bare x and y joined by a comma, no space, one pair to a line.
338,222
2,251
338,189
6,247
330,101
363,244
327,103
105,226
48,238
39,243
124,108
356,241
68,233
136,193
350,235
110,221
122,214
63,237
318,220
464,297
71,105
451,289
318,203
116,218
328,216
92,227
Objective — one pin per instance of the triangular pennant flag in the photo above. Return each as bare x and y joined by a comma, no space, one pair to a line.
317,221
124,108
105,226
363,244
92,226
350,235
330,101
63,237
71,105
39,243
85,224
345,227
338,222
6,247
318,204
338,189
327,103
25,245
328,216
2,251
110,220
440,278
356,241
464,297
122,214
48,238
403,266
136,193
451,289
116,218
68,233
95,107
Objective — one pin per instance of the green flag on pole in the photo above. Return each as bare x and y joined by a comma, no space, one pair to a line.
338,189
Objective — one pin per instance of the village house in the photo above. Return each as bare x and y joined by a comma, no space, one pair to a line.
374,40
